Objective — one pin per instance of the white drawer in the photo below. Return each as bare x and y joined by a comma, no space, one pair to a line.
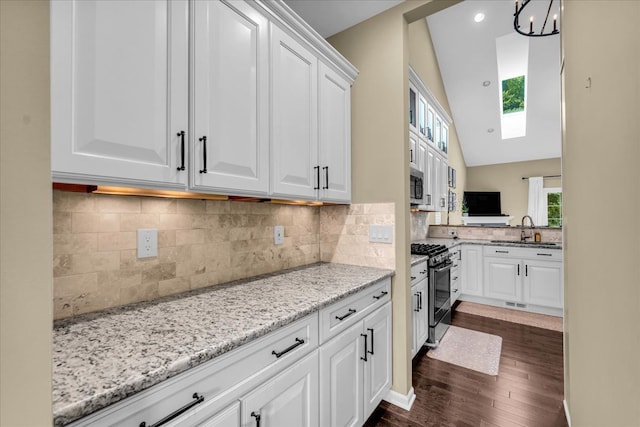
419,272
518,252
220,381
339,316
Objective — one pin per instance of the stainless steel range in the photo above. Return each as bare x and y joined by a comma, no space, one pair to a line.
439,303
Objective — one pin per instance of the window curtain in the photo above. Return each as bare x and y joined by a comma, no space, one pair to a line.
537,201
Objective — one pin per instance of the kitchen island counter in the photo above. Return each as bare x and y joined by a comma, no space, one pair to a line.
101,358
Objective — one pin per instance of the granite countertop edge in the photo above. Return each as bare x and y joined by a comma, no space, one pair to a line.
130,386
452,243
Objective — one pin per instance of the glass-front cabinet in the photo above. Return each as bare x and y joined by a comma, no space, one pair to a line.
438,133
422,116
430,119
413,106
444,139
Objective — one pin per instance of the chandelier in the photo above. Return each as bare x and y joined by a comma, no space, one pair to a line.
531,33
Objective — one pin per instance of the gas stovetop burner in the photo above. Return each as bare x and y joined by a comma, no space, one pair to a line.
437,253
426,249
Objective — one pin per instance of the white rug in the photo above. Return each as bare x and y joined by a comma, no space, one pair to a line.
515,316
470,349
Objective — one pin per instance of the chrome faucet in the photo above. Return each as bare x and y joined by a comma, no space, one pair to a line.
524,237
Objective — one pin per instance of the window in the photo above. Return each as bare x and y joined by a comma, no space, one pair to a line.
554,206
513,95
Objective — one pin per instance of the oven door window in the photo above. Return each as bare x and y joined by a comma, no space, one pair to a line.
440,292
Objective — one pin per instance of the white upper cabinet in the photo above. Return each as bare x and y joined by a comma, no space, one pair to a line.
294,108
334,127
119,92
230,98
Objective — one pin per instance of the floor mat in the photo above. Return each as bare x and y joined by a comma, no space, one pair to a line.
553,323
470,349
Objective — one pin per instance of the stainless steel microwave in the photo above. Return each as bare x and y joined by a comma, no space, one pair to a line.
416,186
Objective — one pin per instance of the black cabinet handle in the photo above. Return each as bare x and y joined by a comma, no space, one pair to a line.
383,293
423,272
502,252
366,347
413,277
420,299
197,399
371,331
288,349
341,318
411,155
544,254
429,199
204,154
326,177
181,135
278,354
417,309
518,269
256,415
526,270
317,169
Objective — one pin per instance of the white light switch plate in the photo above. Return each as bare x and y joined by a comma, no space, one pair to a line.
147,242
278,235
381,233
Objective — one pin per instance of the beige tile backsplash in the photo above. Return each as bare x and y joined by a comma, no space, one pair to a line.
493,233
200,243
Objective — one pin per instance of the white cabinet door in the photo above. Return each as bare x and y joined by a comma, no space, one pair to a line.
422,157
444,185
334,127
341,383
502,279
413,150
119,89
377,368
230,99
295,169
438,178
471,270
420,319
430,163
228,417
543,283
290,399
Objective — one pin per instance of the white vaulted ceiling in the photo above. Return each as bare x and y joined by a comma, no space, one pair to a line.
466,53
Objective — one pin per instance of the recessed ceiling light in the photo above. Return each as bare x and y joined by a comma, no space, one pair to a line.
486,83
490,130
479,17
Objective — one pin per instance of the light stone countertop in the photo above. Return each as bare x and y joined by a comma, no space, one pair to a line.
101,358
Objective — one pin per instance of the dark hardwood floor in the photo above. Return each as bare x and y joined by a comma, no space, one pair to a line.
528,390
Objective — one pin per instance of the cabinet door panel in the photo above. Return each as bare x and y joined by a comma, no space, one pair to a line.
290,399
228,417
429,195
543,283
334,127
502,279
230,97
341,379
119,91
471,275
294,121
377,376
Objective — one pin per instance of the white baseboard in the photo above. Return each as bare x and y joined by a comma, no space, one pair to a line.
400,400
566,412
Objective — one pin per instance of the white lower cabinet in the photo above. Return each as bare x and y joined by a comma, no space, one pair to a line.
471,270
283,379
502,279
290,399
419,315
355,370
543,283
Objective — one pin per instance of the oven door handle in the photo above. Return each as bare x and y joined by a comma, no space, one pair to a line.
446,267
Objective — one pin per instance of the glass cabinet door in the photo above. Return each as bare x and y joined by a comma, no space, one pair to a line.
438,137
412,107
422,113
430,119
445,138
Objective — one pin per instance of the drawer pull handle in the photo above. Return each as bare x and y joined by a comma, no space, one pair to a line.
544,254
341,318
423,272
317,169
197,399
413,277
366,347
181,135
381,295
288,349
502,252
256,415
417,309
204,154
371,330
455,278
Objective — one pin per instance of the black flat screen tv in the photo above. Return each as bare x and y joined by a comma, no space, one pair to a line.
483,203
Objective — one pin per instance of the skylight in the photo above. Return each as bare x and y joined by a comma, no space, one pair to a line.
512,52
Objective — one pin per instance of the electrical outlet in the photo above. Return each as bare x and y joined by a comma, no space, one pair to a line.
147,242
278,235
